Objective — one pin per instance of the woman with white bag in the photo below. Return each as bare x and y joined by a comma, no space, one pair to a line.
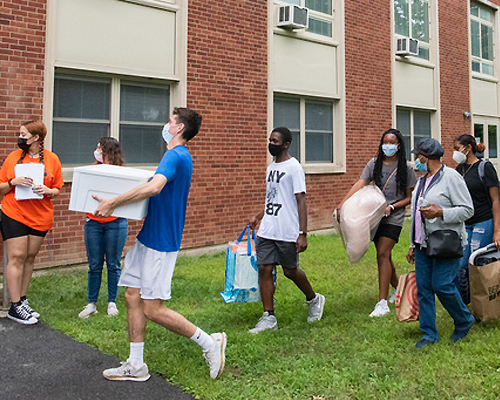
395,177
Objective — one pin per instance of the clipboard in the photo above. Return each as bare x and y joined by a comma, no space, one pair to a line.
35,172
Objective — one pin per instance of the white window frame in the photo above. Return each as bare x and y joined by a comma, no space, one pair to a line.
317,167
114,112
491,24
486,122
412,125
421,44
316,15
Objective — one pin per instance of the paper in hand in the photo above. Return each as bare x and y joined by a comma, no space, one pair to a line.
35,172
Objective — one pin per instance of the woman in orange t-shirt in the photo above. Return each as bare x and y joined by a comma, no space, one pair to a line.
104,238
24,223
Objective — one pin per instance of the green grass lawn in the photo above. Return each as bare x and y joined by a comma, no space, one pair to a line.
346,355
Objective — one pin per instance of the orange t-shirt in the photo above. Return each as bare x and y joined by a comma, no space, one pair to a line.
36,213
101,219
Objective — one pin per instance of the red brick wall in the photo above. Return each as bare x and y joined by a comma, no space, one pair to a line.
454,73
227,84
368,35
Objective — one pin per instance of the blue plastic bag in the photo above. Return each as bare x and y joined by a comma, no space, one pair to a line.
242,275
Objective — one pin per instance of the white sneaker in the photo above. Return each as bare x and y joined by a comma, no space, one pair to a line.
112,310
316,306
88,310
392,299
127,372
265,322
216,357
381,308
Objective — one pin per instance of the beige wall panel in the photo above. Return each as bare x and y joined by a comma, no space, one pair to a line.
414,85
304,67
115,36
484,97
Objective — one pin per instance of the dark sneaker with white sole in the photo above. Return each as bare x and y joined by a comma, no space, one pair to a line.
28,308
19,314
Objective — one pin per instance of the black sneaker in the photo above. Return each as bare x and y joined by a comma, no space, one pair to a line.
19,314
29,310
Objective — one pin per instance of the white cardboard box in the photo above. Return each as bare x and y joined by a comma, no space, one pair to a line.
107,181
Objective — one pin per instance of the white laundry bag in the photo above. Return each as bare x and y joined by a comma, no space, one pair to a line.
360,216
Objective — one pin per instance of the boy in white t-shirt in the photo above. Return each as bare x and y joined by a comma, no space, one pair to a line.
283,232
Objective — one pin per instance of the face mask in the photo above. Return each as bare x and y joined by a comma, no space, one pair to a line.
275,149
422,167
167,137
459,157
23,144
390,149
98,156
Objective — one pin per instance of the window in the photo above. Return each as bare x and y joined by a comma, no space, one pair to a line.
411,18
414,125
320,15
487,133
311,124
481,37
83,113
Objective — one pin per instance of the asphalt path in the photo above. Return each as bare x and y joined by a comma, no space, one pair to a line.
38,362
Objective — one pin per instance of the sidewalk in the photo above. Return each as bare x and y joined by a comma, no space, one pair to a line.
38,362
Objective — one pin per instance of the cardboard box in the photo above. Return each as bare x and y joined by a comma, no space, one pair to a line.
107,181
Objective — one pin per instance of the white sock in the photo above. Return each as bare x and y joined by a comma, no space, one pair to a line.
136,353
202,339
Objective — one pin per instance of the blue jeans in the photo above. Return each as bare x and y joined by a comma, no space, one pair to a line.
435,277
104,239
478,235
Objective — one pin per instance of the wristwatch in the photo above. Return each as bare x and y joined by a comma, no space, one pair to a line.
303,233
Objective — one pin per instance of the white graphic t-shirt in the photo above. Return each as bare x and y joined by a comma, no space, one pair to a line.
281,219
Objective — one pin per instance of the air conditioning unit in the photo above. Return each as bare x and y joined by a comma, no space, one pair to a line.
407,47
293,17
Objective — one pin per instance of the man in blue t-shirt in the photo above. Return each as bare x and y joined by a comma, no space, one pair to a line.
149,265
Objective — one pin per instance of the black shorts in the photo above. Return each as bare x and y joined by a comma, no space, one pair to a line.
276,252
388,231
10,228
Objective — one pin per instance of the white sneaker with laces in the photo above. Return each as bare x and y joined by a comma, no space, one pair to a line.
316,306
127,372
112,310
88,310
392,299
265,322
29,310
381,308
216,357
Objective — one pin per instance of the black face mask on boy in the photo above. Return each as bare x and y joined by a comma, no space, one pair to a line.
275,149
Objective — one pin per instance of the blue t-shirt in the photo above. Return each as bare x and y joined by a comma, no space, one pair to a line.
163,226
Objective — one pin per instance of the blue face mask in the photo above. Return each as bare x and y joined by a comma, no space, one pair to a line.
167,137
421,167
390,149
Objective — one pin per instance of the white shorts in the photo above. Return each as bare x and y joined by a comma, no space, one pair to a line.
149,270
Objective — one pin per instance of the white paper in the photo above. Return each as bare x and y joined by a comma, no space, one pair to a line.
35,172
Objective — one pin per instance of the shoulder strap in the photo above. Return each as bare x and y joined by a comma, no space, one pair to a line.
480,169
388,179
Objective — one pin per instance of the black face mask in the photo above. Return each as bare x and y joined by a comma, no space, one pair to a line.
23,145
275,149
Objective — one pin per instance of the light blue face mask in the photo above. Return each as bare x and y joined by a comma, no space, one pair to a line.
167,137
422,167
390,149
